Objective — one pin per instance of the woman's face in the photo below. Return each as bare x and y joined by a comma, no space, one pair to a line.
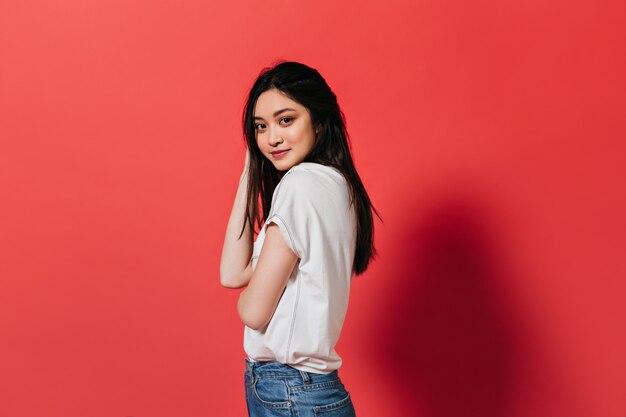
284,132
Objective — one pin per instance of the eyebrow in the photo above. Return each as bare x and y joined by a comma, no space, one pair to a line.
276,113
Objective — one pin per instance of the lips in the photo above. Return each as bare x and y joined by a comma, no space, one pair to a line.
279,153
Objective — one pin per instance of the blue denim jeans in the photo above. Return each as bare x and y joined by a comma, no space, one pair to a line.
276,389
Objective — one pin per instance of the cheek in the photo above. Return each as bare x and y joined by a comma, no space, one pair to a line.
297,136
259,143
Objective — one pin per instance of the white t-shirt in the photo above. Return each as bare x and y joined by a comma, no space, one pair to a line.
311,206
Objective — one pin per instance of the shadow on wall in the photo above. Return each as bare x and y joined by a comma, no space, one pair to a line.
447,336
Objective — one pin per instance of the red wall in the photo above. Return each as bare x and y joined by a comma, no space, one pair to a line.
489,134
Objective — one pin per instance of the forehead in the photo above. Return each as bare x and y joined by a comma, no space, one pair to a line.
272,100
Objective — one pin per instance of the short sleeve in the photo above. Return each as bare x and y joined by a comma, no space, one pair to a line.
294,209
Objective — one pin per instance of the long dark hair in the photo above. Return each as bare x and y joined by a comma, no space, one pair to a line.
306,86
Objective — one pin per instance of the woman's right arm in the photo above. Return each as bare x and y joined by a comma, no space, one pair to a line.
235,264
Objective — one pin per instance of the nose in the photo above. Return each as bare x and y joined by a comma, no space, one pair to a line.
275,138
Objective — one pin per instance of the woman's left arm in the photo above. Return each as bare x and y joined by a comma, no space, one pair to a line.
258,301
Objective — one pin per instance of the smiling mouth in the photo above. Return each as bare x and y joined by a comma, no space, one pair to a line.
279,153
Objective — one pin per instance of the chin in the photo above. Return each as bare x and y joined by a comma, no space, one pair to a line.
283,166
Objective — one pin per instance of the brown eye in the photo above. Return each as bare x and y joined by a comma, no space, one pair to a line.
286,120
259,126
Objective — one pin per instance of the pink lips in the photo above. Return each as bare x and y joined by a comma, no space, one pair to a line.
279,154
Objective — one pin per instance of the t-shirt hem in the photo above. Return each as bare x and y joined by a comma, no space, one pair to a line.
300,367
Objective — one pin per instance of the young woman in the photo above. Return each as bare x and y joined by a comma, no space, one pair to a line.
315,233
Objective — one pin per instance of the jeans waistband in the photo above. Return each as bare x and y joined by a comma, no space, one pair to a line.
275,368
270,367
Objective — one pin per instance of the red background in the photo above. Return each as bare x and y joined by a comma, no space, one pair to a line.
490,135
